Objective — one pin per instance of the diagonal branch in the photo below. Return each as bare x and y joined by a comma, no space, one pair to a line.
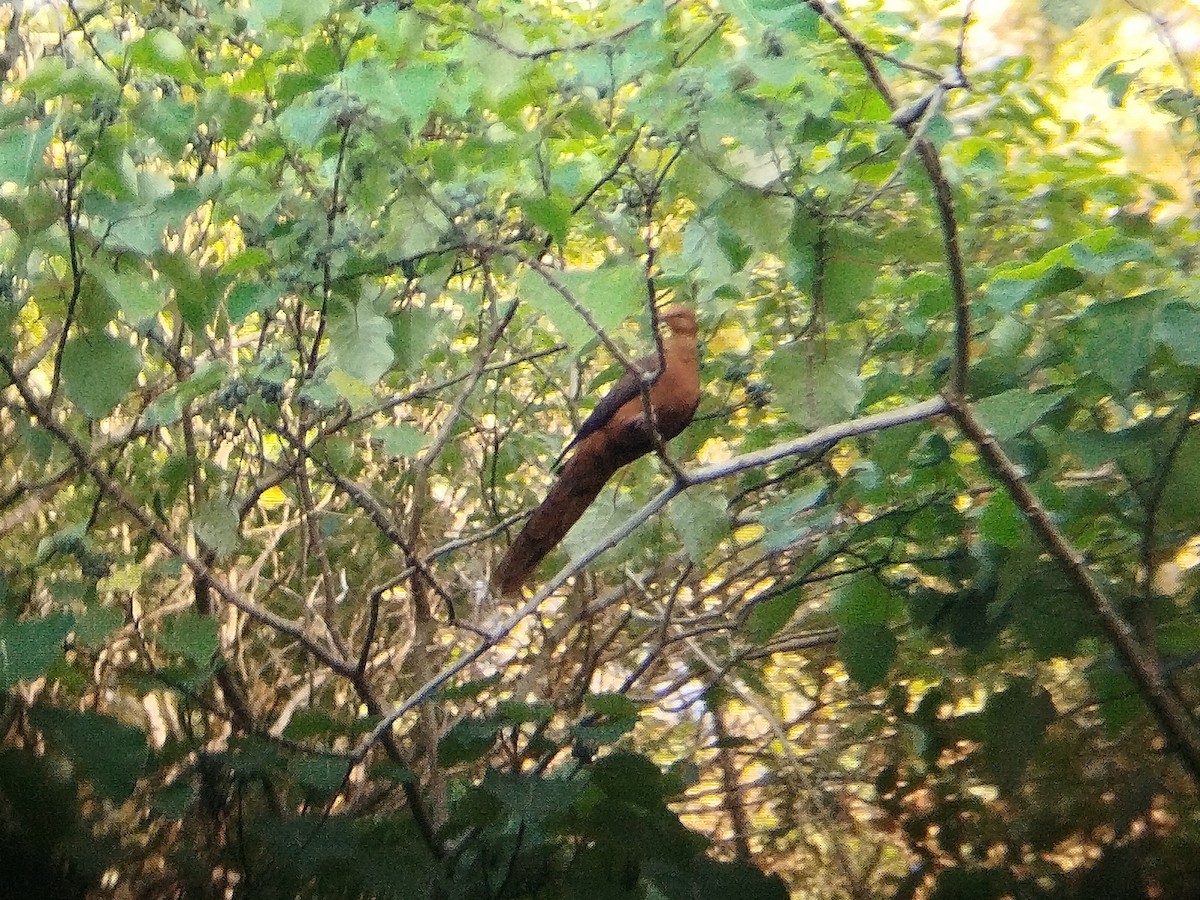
1173,716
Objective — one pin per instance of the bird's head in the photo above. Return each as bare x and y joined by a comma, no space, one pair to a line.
680,319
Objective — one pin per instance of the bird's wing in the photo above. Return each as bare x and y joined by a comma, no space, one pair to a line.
627,387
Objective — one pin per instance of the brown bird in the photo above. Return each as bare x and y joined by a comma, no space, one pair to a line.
614,435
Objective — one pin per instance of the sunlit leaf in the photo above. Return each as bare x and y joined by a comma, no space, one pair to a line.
98,371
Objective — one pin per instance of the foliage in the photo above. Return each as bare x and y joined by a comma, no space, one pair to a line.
300,300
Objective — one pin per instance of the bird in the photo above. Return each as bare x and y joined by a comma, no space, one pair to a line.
612,436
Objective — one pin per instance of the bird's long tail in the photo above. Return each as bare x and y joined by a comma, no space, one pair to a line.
582,479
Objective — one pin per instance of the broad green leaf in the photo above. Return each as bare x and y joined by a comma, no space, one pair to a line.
467,741
93,627
1014,287
1015,412
197,292
1178,329
601,519
1001,522
108,753
1105,250
250,259
848,276
320,773
309,723
818,385
614,706
551,213
163,53
1015,723
789,519
1119,361
1180,503
216,523
359,342
98,371
865,601
349,388
1069,14
191,635
415,331
629,776
28,648
768,617
409,92
69,539
139,297
21,152
701,521
173,800
867,652
401,440
252,296
1117,697
170,122
513,712
304,125
610,294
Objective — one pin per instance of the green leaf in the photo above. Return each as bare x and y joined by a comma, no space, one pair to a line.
320,773
629,776
359,342
701,521
191,635
865,601
309,723
768,617
848,277
1045,278
410,92
1001,522
173,800
304,125
163,53
252,296
68,539
1119,361
350,389
1106,250
790,519
1069,14
217,524
401,441
98,371
1178,329
134,292
513,712
1015,412
467,741
27,649
613,705
197,292
551,213
867,652
108,753
21,152
1180,504
817,386
93,627
610,294
1015,723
